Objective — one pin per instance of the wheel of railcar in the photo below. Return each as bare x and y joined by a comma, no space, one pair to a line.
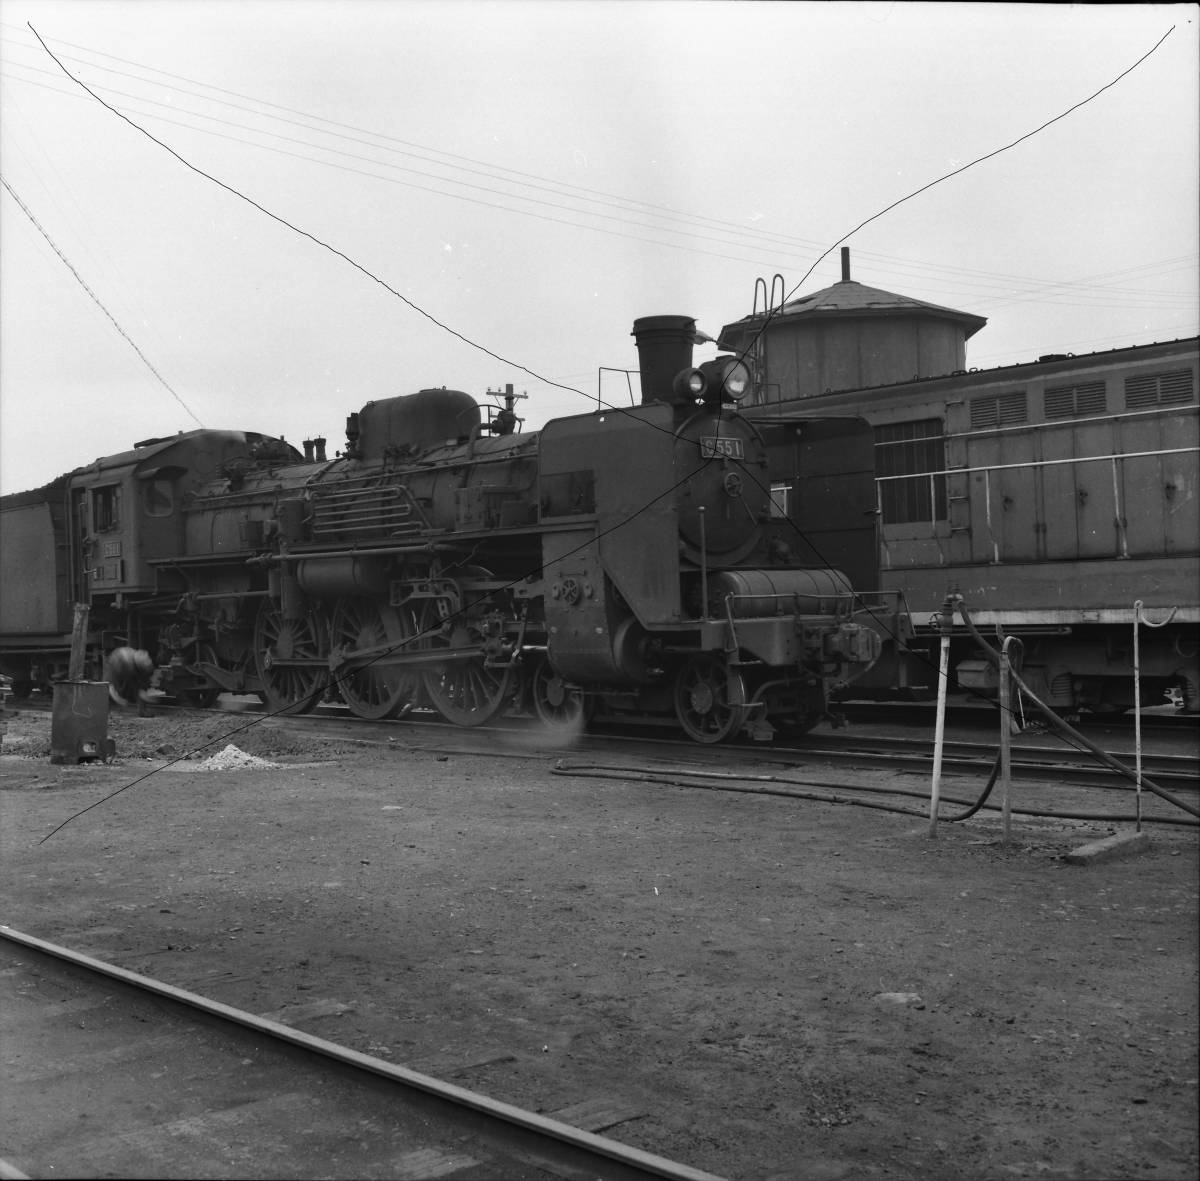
289,688
702,702
464,691
556,704
378,690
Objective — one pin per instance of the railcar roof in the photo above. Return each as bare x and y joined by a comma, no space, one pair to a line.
1058,363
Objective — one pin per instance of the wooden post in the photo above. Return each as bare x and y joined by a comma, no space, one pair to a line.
77,667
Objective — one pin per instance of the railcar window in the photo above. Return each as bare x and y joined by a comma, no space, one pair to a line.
156,496
780,500
1159,389
1001,410
106,508
1071,401
915,451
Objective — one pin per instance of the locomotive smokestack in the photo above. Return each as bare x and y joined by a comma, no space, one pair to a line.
319,444
845,264
664,345
308,450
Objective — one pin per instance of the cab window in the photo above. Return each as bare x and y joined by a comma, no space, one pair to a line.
106,508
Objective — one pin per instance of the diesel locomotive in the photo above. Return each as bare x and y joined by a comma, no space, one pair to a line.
664,558
1053,495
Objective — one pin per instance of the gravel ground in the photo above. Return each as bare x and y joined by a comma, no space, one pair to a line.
771,988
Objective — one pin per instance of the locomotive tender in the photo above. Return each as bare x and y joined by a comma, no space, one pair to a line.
1052,495
638,558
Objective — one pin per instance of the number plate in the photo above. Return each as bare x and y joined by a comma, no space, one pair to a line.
712,447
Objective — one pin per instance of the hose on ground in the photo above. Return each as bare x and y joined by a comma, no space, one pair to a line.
773,785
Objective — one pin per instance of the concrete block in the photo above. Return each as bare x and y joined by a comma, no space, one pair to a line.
1124,844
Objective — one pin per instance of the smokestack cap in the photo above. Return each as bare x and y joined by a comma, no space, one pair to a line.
664,345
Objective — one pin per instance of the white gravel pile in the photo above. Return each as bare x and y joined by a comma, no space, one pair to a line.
233,759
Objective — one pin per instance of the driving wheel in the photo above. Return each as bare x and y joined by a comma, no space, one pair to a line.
703,702
375,690
288,687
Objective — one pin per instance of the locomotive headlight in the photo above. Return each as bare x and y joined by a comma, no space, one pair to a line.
728,375
689,384
737,381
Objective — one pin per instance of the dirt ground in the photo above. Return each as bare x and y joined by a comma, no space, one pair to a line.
776,988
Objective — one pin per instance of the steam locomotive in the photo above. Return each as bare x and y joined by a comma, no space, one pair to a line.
668,557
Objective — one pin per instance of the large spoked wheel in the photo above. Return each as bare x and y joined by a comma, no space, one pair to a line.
555,703
289,688
464,691
702,702
377,690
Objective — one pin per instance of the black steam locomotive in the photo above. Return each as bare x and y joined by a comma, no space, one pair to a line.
664,557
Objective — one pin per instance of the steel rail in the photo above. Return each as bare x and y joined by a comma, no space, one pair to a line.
608,1159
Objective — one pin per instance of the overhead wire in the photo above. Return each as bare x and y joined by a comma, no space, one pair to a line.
954,277
98,302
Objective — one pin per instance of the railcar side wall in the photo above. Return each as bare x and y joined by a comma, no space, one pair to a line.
35,596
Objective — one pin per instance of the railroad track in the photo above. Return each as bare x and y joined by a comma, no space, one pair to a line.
108,1073
1062,765
1028,762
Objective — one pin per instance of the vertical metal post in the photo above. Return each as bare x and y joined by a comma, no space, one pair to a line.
945,623
1006,737
1137,709
78,662
1118,514
1137,696
987,504
703,567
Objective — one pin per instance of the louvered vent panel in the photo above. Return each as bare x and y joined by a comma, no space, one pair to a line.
1060,403
1174,388
1003,410
1012,408
1067,401
983,412
1159,389
1090,398
1141,392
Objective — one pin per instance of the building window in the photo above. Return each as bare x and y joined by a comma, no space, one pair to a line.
910,464
1159,389
106,508
999,410
1074,401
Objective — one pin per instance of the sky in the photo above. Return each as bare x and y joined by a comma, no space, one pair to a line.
508,185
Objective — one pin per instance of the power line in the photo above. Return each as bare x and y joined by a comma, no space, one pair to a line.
772,313
957,277
96,299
